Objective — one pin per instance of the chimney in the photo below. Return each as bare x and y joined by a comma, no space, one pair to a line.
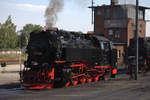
114,2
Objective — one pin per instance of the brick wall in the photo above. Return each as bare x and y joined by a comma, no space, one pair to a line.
126,28
131,29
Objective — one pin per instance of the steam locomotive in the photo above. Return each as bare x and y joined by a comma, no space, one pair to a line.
144,54
62,58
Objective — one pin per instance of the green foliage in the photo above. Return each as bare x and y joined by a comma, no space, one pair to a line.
9,39
25,33
79,32
8,35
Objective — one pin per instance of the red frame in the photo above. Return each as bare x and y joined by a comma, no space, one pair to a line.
78,68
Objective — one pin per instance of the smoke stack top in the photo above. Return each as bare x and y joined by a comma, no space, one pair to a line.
52,11
114,2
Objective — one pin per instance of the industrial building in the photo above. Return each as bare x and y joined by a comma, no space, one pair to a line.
117,23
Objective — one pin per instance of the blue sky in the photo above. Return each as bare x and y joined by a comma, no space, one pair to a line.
75,16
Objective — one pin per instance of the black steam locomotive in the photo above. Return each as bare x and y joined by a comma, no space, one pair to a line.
144,55
61,58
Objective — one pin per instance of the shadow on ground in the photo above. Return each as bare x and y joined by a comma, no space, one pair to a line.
10,86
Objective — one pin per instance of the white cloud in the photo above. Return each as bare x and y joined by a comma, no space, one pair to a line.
31,7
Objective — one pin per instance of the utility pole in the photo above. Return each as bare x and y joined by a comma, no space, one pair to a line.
137,40
92,12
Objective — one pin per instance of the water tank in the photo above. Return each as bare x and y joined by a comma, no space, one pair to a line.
114,2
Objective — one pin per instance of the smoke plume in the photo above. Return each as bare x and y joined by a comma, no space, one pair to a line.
52,11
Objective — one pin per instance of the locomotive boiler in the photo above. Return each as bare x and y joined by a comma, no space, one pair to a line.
62,58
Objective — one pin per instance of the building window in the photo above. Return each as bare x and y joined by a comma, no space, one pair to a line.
99,12
117,34
133,24
107,13
134,32
140,31
118,53
141,14
110,32
141,25
119,13
131,12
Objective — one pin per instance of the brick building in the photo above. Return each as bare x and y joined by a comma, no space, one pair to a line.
117,23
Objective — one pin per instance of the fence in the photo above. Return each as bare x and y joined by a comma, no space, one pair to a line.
4,52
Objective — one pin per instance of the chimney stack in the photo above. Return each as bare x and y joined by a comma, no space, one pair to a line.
114,2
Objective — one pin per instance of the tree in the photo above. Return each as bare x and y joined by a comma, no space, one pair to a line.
79,32
8,35
25,33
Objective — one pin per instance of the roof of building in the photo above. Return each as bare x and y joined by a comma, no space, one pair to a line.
90,32
101,38
126,5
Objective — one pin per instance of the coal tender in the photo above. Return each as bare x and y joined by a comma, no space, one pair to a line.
61,58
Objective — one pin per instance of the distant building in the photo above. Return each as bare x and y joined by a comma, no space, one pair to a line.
117,23
90,32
